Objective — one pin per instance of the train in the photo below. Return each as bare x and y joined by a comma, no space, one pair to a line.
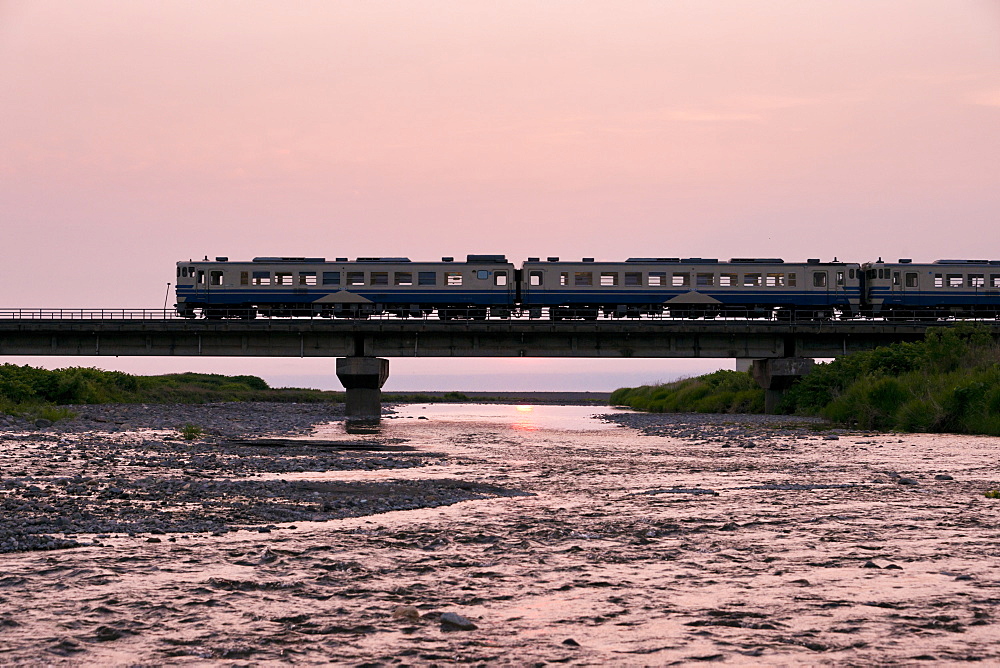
491,286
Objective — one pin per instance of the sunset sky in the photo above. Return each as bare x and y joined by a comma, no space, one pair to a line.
135,133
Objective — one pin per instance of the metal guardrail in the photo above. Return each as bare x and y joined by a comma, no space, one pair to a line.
728,316
87,314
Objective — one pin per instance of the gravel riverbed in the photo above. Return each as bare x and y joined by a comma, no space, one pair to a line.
511,535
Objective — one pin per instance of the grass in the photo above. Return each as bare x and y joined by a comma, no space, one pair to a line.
949,382
33,393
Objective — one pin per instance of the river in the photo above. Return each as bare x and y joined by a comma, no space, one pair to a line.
646,540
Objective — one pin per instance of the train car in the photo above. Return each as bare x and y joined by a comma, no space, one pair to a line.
691,288
482,286
942,289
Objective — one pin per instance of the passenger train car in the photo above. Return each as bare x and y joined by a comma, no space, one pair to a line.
945,288
312,286
691,287
491,286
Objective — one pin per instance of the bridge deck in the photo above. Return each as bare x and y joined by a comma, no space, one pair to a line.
428,338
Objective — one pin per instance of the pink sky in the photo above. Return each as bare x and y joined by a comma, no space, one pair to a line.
134,134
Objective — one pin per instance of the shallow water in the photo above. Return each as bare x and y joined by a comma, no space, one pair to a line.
722,543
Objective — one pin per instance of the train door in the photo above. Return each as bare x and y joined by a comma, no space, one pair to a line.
533,291
201,286
840,286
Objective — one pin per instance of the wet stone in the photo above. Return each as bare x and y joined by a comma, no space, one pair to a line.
452,621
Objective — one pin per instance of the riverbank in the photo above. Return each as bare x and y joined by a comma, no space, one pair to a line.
947,383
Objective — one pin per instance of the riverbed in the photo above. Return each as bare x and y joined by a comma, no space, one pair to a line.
496,535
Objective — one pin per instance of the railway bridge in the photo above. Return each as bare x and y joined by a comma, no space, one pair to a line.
781,351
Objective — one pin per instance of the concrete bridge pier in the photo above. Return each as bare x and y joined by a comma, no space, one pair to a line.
777,375
363,378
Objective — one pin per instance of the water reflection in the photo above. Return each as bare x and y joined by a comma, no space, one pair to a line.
519,417
366,426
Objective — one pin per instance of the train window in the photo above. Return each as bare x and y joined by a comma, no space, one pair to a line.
535,277
791,279
379,278
244,278
977,280
775,280
955,280
201,277
331,278
355,278
499,278
427,278
840,277
704,280
452,278
564,278
680,279
262,278
179,272
850,274
656,278
633,279
751,280
881,273
282,278
583,278
895,278
938,281
482,274
819,279
609,278
307,278
728,280
995,280
910,280
402,278
215,277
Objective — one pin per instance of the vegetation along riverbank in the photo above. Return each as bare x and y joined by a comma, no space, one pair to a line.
30,392
948,382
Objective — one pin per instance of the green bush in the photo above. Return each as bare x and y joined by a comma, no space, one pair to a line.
717,392
949,382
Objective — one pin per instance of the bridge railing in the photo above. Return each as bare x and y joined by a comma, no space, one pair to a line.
87,314
725,316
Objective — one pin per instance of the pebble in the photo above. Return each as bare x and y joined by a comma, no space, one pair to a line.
452,621
406,612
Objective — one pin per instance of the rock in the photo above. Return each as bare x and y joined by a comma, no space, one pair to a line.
42,423
451,621
571,642
943,476
893,567
906,481
831,437
153,540
871,564
964,577
407,612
